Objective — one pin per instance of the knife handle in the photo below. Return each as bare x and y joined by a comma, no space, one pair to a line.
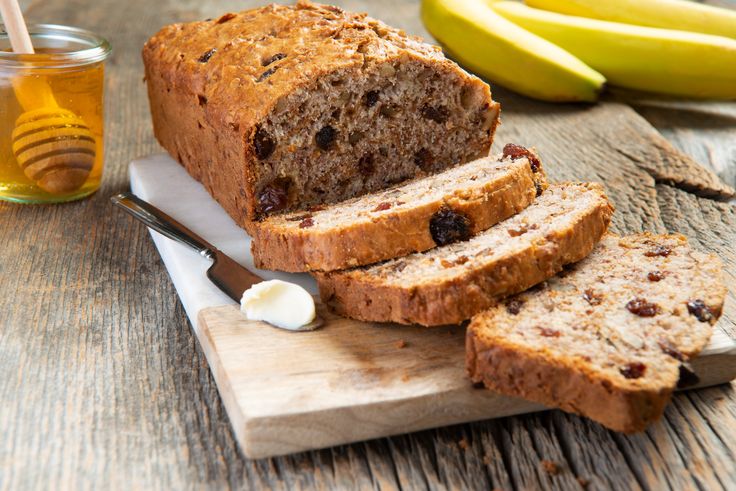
162,223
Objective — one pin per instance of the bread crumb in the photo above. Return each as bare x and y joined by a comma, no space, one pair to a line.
583,482
550,467
401,344
405,377
463,443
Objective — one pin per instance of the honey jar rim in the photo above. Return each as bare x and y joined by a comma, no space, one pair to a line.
92,48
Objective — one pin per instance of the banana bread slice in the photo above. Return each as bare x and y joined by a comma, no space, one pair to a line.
284,107
610,337
452,283
403,219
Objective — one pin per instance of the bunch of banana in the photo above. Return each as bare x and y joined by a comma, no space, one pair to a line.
682,15
501,51
514,45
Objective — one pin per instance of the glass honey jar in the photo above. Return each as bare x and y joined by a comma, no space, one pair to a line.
51,115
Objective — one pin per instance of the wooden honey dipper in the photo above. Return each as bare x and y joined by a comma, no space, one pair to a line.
53,146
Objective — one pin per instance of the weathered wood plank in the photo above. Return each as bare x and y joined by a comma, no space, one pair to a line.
621,135
704,130
101,380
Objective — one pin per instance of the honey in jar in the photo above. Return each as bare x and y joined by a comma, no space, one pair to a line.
51,116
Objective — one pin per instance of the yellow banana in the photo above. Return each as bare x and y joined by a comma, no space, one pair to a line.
644,58
684,15
497,49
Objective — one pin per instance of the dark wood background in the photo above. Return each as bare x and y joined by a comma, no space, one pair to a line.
103,383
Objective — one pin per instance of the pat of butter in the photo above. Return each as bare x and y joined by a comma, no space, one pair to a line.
279,303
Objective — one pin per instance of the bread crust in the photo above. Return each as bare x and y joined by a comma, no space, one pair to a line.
284,245
208,95
526,374
457,299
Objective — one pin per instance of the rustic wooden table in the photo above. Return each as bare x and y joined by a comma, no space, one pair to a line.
103,382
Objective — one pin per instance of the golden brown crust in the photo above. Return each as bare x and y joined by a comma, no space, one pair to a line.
242,42
458,298
210,86
520,373
284,245
230,183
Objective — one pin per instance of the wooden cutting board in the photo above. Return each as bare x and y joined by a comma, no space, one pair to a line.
285,392
349,381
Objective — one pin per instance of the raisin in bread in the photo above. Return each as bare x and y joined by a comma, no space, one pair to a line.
403,219
452,283
284,107
609,337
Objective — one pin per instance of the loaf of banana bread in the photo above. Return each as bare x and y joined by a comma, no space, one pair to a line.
285,107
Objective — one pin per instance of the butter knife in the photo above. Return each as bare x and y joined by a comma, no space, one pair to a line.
225,273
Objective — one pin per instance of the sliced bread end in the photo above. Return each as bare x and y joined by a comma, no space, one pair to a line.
610,337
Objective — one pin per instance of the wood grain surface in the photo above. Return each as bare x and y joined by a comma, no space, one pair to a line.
102,383
351,381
